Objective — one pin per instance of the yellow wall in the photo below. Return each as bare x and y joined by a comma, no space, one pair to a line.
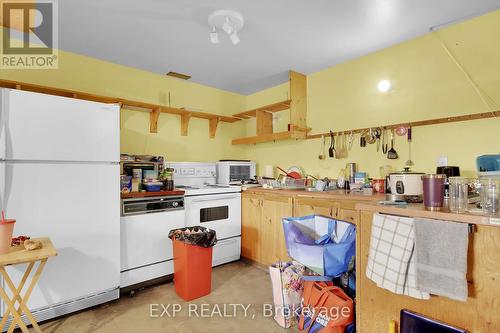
426,84
100,77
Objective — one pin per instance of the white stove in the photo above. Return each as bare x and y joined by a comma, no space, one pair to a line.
208,189
207,204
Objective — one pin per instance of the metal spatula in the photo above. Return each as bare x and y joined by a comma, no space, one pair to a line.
392,154
409,162
331,150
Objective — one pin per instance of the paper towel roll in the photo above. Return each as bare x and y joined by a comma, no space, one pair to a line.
269,171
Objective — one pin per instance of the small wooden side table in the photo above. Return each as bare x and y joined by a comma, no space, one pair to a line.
19,255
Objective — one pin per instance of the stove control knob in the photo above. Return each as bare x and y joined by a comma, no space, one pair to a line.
175,204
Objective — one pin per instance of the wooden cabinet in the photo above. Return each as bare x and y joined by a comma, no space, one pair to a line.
251,212
313,206
349,215
274,209
480,314
262,236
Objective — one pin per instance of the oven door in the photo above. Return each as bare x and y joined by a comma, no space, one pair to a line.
221,212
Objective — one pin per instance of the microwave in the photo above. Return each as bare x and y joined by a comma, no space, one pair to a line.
151,166
235,172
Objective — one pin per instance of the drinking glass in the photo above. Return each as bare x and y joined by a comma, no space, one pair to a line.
459,193
490,188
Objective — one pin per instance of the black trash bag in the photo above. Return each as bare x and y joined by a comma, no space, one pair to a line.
199,236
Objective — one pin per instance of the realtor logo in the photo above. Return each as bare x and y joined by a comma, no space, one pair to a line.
29,34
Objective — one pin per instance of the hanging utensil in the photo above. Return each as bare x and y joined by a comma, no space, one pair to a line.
338,149
384,141
331,150
378,133
350,140
392,154
344,145
321,155
409,162
371,137
362,140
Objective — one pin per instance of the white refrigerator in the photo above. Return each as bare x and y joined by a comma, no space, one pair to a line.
59,178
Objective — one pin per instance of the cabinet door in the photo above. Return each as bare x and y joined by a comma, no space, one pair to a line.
314,206
274,209
349,215
251,215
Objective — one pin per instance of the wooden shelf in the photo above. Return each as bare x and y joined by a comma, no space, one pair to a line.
275,107
435,121
296,134
155,109
129,195
297,104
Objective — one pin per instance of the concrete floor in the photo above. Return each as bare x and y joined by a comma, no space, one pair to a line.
234,283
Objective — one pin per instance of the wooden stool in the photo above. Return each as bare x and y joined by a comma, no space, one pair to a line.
19,255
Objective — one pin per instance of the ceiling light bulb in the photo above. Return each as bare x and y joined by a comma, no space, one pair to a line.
234,38
227,27
214,36
384,86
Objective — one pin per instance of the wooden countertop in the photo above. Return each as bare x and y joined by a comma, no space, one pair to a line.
334,195
418,210
151,194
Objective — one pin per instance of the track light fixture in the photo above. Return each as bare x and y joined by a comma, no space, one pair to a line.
234,38
214,36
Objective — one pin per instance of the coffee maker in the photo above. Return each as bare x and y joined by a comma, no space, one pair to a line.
448,171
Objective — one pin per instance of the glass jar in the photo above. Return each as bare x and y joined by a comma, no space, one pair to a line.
490,188
458,194
168,179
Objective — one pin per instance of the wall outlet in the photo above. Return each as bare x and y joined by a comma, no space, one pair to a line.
442,161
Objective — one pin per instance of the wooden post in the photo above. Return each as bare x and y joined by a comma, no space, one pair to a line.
185,123
298,96
213,123
264,122
153,120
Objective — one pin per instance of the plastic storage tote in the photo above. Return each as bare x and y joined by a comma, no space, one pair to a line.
325,245
192,261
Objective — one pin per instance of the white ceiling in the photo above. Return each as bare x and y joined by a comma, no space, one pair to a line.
306,36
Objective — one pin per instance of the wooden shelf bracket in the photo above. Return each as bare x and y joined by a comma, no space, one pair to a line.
213,123
185,123
153,120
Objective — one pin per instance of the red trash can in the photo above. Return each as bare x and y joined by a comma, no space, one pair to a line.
192,270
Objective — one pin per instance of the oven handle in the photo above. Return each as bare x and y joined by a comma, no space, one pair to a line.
213,198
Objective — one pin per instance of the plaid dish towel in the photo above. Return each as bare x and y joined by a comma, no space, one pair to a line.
391,260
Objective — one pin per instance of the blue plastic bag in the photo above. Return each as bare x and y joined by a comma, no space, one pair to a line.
324,245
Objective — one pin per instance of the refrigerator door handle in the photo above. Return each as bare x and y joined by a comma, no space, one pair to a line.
2,185
3,124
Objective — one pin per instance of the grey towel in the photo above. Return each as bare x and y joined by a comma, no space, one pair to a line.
441,257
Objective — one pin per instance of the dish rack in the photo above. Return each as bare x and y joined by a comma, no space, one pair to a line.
291,184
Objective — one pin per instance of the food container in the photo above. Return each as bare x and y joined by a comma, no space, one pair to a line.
458,194
137,174
6,231
378,185
407,185
125,184
360,177
433,185
149,174
153,186
490,189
